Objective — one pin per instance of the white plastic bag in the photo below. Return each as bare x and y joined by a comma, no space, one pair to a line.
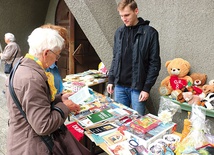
167,109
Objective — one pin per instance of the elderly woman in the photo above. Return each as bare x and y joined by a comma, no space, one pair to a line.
35,91
12,50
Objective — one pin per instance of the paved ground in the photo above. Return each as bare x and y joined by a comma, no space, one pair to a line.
3,114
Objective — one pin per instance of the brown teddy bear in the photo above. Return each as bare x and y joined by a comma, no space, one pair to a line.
178,78
199,79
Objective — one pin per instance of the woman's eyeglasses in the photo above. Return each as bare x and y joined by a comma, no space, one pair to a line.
57,55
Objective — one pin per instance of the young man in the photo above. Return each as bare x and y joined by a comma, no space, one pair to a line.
136,62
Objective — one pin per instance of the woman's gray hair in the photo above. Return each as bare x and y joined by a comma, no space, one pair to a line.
44,38
10,36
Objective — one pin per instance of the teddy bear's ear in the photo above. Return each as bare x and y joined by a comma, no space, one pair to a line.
187,64
167,63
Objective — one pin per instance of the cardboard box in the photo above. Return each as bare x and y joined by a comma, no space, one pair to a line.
154,134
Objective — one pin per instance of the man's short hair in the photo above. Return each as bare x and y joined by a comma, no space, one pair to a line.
123,3
10,36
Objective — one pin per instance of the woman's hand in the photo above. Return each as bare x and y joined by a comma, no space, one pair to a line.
72,106
65,96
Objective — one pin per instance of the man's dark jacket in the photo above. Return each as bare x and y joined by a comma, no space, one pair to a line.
146,61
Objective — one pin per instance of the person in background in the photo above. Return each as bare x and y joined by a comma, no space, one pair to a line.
35,91
0,53
136,62
0,47
10,49
54,68
58,83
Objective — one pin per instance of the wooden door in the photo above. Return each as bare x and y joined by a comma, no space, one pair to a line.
79,55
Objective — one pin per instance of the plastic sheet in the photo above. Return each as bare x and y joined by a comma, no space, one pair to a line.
167,109
197,135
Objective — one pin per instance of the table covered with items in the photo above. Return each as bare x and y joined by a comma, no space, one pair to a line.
91,78
119,130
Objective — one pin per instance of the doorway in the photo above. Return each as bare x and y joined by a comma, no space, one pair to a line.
79,55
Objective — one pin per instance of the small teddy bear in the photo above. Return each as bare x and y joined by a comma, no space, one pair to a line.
178,78
199,79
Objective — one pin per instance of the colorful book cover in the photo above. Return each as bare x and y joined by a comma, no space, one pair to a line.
100,116
122,148
104,129
114,138
145,123
133,131
118,113
139,150
82,114
152,135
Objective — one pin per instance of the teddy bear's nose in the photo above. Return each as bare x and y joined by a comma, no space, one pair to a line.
197,81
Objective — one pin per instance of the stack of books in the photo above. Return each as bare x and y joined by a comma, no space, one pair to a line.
102,117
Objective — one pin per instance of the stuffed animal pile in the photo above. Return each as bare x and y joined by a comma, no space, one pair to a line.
181,86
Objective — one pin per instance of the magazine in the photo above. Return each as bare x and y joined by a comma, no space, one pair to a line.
82,95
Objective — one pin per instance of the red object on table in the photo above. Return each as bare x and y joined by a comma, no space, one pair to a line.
76,130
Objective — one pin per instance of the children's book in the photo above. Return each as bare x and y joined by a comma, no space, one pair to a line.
114,138
145,123
128,128
104,129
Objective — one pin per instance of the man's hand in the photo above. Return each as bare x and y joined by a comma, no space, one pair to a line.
143,96
110,88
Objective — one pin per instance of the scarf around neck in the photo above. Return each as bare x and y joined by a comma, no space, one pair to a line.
49,75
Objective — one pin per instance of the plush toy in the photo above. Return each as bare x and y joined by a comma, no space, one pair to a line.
209,101
208,89
199,79
190,98
177,79
211,82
